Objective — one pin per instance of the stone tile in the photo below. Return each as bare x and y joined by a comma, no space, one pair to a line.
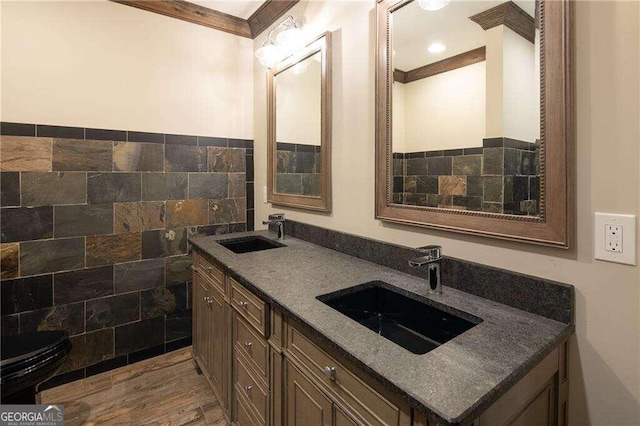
60,131
520,188
26,223
140,275
475,185
432,200
493,161
415,199
41,257
249,166
397,198
438,166
398,184
164,242
417,166
530,207
492,207
285,161
427,184
25,154
10,325
76,286
17,129
305,162
511,161
164,186
110,249
105,135
113,187
157,138
9,189
178,325
208,185
452,185
26,294
139,335
138,157
225,160
89,219
211,230
444,200
467,165
63,317
82,155
187,213
211,141
180,140
112,311
240,143
237,227
178,269
398,167
138,217
237,185
534,188
527,164
469,203
311,184
163,301
181,158
43,189
289,183
90,348
410,184
9,260
493,189
228,210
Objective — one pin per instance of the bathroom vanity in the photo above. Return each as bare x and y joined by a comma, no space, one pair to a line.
283,333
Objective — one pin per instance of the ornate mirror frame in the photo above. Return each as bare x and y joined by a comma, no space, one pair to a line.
323,203
555,225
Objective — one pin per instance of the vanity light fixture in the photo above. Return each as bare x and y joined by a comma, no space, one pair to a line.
436,47
433,5
283,40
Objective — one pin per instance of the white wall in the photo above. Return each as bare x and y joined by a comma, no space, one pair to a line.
398,99
605,352
446,111
105,65
298,104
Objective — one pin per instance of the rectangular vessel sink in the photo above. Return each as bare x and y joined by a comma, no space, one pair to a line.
416,326
249,244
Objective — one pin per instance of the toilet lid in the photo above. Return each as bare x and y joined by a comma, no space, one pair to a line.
27,345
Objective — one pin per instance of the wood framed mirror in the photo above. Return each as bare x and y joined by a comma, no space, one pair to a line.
474,117
299,129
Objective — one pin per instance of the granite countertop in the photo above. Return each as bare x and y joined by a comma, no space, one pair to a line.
456,381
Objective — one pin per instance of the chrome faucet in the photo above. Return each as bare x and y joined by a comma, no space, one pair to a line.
432,259
277,219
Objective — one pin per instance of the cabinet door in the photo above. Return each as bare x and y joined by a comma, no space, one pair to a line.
202,316
342,419
217,330
306,404
539,412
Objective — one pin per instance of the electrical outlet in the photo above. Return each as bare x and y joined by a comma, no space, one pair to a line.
615,238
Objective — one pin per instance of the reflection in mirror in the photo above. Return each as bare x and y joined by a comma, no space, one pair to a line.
466,106
298,132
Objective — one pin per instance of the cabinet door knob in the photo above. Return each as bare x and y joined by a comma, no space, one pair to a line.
330,372
247,390
209,301
243,304
193,268
209,268
247,345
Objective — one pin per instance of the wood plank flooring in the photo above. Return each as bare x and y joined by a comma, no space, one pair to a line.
165,390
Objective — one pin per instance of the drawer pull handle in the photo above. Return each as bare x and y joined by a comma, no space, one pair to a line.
330,372
247,345
193,268
209,268
247,390
209,301
243,304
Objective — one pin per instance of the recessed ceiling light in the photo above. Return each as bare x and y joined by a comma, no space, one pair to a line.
433,5
436,47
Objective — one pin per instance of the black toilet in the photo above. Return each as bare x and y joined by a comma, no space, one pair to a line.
29,359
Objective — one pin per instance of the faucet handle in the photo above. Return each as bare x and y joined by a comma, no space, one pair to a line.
276,216
432,251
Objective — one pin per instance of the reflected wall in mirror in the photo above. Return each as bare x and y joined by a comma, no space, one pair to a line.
474,128
299,129
466,106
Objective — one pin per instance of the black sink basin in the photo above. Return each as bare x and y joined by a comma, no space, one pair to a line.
416,326
249,244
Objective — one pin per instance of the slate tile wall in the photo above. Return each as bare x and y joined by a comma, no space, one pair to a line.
502,176
93,234
298,169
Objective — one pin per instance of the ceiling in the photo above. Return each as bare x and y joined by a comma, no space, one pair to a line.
240,8
414,29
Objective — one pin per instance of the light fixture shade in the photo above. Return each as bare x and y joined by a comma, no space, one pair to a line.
291,38
436,47
269,55
432,5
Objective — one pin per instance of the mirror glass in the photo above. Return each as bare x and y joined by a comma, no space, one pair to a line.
466,105
298,91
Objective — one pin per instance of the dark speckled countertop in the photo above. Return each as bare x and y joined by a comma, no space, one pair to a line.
456,381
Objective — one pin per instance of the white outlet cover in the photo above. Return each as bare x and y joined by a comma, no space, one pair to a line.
628,223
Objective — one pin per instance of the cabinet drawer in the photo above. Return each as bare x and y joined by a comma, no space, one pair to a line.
342,383
243,412
251,389
210,271
249,306
253,346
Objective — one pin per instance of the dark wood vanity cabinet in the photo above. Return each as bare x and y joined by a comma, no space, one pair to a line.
268,370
